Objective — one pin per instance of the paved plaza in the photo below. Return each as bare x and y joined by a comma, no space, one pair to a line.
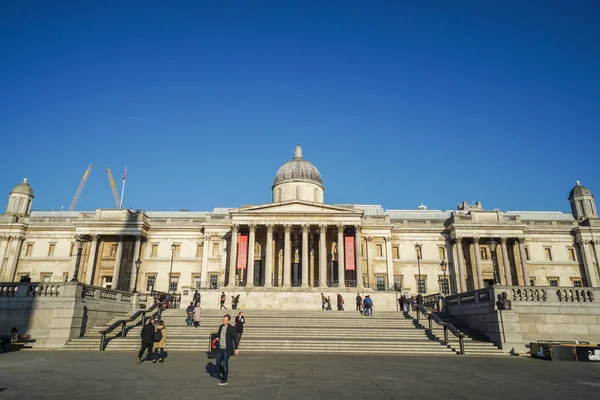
95,375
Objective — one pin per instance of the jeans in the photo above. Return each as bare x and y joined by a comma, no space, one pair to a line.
159,353
369,311
145,346
223,357
405,307
239,337
189,320
358,306
323,306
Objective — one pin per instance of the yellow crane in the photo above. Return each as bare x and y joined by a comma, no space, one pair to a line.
80,188
113,187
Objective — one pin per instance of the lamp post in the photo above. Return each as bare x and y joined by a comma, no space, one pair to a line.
493,246
80,242
418,249
445,285
173,247
138,263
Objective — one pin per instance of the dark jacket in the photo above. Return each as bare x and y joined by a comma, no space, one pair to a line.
239,324
147,334
230,338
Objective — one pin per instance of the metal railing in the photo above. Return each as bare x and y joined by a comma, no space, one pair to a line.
158,306
431,317
175,298
433,302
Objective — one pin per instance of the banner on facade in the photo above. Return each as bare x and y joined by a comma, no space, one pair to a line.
242,255
349,246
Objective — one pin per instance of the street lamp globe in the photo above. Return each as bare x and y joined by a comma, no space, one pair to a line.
443,265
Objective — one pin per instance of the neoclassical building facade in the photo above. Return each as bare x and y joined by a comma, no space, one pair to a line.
298,242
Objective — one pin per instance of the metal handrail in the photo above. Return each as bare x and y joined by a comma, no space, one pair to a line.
431,317
123,322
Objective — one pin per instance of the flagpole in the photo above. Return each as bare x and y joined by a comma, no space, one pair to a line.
123,188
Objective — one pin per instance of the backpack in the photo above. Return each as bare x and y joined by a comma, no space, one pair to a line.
190,309
368,302
158,335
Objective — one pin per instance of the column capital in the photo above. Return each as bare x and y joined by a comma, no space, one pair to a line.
341,227
323,228
287,228
206,237
521,240
305,228
270,228
252,227
387,239
83,238
476,239
503,240
358,227
121,237
235,228
458,240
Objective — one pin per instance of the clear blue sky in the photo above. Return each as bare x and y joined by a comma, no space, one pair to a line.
396,103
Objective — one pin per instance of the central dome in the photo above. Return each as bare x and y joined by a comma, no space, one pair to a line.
298,170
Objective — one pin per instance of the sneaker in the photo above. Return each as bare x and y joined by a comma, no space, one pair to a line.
154,361
137,360
161,360
222,383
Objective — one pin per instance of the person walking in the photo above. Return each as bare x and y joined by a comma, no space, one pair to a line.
239,326
323,302
147,336
197,315
329,303
227,346
233,302
223,298
340,302
190,314
160,340
368,306
197,297
358,302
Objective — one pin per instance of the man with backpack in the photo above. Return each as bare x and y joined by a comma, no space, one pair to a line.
190,314
147,336
368,306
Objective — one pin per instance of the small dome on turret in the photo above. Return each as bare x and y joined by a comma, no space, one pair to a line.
23,188
298,169
579,190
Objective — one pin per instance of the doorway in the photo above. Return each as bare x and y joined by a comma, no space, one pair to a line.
296,274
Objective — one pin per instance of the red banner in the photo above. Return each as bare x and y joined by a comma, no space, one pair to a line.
350,254
242,255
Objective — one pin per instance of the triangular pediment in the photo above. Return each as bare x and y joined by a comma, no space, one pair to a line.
296,207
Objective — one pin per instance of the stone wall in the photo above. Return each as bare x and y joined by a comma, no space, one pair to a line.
538,313
54,313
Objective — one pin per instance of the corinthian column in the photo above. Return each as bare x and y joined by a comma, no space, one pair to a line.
459,264
506,262
523,258
305,229
341,254
117,268
89,276
357,248
14,258
287,262
322,255
269,259
478,263
389,262
232,255
250,268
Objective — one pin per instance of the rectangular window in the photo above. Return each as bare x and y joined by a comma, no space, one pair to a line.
199,251
577,282
29,250
572,254
51,249
379,250
196,281
396,252
442,252
45,276
150,281
65,276
107,282
398,283
174,284
527,254
177,250
213,281
548,253
154,250
444,285
215,249
553,281
421,284
380,282
531,281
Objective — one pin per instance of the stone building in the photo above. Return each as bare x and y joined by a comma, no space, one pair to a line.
298,242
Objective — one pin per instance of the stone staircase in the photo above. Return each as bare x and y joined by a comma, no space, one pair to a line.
341,332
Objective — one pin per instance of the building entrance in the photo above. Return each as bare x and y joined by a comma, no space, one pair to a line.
296,274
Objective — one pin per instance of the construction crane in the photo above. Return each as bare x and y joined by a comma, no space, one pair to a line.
80,188
113,187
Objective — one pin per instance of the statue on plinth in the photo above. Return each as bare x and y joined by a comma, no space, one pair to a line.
503,302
